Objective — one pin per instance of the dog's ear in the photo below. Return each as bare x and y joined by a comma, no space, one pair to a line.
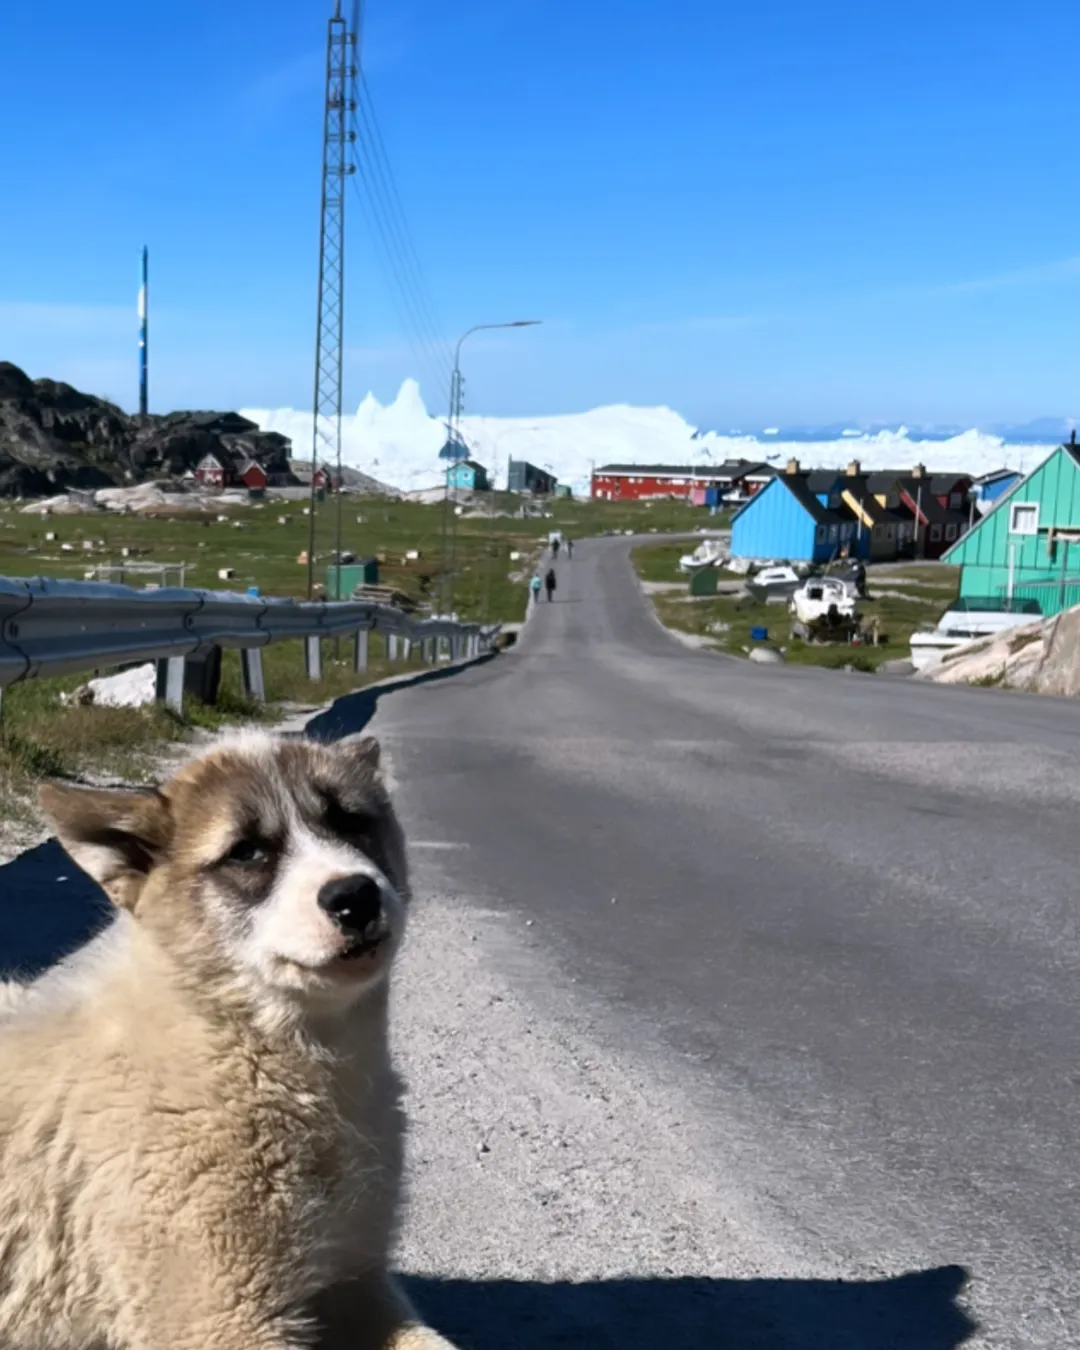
115,837
360,751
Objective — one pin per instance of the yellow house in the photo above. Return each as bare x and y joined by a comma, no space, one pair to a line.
886,529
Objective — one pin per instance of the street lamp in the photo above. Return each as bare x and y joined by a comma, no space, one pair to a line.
453,437
455,379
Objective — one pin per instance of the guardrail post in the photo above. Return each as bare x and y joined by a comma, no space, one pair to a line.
170,684
360,650
406,649
391,647
427,648
251,674
313,657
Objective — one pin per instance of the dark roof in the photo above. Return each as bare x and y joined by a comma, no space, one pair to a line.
472,463
797,485
940,483
996,474
822,480
881,480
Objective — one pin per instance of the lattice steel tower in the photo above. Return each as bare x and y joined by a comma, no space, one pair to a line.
342,69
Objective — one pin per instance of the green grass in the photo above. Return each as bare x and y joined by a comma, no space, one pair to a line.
41,737
660,562
727,620
488,585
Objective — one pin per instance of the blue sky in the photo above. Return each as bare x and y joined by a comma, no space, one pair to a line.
785,211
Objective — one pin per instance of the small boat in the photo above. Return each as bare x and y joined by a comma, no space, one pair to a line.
779,581
965,621
709,553
825,608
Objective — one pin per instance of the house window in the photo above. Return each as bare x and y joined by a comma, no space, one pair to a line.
877,531
834,533
821,534
956,500
1024,518
935,534
950,533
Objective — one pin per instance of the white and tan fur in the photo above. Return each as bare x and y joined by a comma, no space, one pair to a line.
200,1133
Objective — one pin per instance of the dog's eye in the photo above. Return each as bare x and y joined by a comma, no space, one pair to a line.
246,854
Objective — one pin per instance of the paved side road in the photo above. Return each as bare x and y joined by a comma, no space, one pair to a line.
740,1005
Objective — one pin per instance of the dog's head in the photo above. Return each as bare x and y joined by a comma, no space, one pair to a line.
276,863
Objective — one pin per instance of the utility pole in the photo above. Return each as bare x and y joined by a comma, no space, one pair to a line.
342,69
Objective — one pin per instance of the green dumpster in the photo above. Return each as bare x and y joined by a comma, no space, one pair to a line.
364,572
703,581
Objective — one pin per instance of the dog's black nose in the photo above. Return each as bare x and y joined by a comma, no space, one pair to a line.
354,903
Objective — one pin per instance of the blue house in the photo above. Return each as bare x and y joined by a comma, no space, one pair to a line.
991,487
468,476
800,516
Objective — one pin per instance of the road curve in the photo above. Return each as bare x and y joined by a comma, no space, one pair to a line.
822,931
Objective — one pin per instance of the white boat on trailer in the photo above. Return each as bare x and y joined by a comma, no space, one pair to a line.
966,620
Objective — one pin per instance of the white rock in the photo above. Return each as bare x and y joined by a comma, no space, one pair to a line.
129,689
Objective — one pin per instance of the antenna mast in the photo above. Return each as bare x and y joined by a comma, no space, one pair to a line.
342,69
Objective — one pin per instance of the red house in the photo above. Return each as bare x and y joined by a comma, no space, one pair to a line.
324,479
637,482
939,503
210,472
253,475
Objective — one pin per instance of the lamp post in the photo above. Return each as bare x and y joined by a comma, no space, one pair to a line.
453,438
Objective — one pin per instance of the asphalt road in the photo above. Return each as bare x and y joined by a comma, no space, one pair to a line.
741,1005
822,931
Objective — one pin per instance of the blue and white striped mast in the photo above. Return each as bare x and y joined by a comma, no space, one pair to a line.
144,383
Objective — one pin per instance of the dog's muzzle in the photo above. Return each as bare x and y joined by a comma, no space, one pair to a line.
355,904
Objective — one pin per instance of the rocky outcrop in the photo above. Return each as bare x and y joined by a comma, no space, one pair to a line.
1041,657
54,437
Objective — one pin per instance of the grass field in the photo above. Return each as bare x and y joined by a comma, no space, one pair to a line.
263,552
40,736
902,600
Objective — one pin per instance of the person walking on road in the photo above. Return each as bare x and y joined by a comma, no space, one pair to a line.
555,547
534,586
569,550
549,583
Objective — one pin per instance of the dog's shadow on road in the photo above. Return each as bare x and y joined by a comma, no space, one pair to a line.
916,1311
48,909
352,712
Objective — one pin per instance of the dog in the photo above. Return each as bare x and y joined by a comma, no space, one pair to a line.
201,1136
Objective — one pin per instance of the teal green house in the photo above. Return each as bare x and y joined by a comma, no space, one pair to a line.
1028,546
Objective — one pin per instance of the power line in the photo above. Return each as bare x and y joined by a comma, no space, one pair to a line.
385,217
371,118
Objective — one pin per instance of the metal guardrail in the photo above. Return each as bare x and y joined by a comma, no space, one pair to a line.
61,627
